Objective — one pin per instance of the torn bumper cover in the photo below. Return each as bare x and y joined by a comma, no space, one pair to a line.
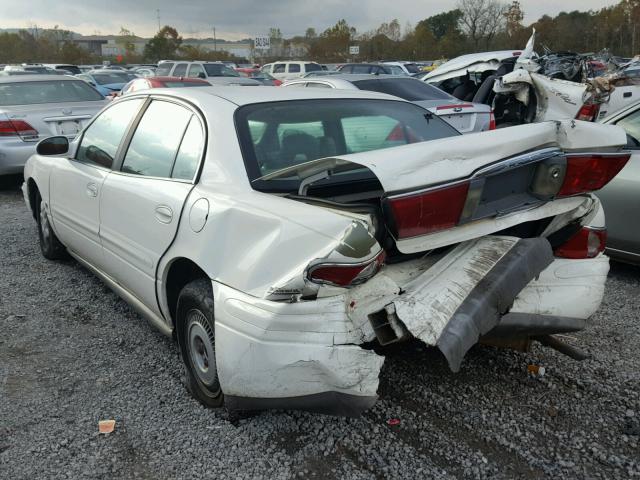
491,298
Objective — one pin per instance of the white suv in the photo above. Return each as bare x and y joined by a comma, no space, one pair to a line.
290,70
216,73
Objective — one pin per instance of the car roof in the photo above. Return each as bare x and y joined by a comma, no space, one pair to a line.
464,61
37,78
353,77
248,95
174,79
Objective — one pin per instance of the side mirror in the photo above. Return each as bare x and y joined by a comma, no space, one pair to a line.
53,146
202,75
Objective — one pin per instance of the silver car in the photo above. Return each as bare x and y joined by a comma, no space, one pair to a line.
466,117
33,107
621,197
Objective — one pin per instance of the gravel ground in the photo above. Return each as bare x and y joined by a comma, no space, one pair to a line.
72,353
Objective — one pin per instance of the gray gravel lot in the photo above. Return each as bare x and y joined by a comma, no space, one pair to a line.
72,353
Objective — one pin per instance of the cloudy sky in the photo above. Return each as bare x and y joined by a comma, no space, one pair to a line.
236,19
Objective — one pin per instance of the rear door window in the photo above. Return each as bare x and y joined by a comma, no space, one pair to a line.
155,143
180,70
101,139
190,152
312,67
195,70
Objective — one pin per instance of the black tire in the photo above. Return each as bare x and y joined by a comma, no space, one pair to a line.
195,333
50,246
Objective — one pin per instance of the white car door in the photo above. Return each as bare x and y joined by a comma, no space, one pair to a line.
75,184
142,198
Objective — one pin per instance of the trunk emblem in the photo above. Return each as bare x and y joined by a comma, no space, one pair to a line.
67,111
457,109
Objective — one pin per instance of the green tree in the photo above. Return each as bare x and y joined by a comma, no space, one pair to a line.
163,45
443,23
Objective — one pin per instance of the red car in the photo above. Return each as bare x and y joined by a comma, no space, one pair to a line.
162,82
262,77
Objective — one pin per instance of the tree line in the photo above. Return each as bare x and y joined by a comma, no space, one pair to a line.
474,25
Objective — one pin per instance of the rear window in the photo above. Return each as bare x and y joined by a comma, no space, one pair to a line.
278,135
312,67
407,88
178,84
219,70
113,77
51,91
164,69
70,68
412,67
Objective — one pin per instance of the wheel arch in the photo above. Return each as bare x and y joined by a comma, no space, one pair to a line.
32,191
180,272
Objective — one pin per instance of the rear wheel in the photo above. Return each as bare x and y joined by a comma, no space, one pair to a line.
196,338
50,246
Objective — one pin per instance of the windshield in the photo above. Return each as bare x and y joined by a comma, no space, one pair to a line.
51,91
278,135
219,70
406,88
113,77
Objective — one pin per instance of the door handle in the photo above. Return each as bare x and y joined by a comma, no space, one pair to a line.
92,190
164,214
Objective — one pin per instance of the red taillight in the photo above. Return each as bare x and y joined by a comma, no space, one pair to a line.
586,173
277,82
11,128
492,121
428,212
587,243
345,275
588,112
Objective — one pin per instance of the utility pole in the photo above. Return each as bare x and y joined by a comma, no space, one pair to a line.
215,43
158,15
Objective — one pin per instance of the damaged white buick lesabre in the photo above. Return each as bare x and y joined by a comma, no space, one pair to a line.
281,235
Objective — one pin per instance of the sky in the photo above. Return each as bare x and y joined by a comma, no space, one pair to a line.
236,19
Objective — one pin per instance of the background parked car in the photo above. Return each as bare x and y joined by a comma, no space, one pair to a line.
216,73
260,76
409,68
107,82
621,197
162,82
374,68
66,67
290,70
464,117
33,107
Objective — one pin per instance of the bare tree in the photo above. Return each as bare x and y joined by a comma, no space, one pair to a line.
481,19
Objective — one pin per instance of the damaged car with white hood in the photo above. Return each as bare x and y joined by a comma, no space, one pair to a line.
281,235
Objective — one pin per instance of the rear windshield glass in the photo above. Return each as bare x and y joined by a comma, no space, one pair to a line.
51,91
113,77
411,67
312,67
219,70
407,88
278,135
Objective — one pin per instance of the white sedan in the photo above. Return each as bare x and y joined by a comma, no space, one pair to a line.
279,234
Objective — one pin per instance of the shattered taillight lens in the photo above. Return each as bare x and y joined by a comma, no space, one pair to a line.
428,212
588,112
345,275
590,172
588,242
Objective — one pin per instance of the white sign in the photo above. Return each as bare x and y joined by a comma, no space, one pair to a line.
355,50
262,42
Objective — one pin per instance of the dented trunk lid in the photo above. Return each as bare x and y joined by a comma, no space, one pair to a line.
496,157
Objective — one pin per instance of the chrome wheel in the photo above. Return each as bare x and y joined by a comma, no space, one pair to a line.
201,349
